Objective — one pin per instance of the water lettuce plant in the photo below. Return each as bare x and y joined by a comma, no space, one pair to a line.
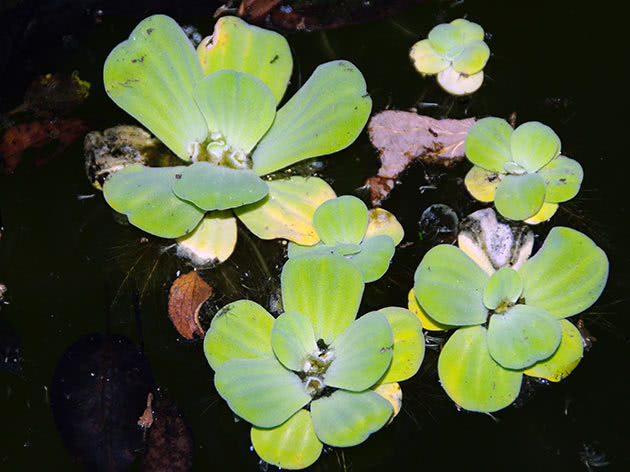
512,322
456,52
346,227
216,110
315,375
520,169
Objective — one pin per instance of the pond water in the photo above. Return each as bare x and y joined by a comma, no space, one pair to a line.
72,269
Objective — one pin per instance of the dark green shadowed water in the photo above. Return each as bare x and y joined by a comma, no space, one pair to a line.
65,259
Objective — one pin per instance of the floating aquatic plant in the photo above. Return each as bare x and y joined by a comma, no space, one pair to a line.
346,227
314,375
520,169
225,128
456,52
508,322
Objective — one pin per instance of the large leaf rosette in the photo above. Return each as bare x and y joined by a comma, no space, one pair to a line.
510,322
216,110
315,375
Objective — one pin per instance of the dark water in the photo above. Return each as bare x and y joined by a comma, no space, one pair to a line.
66,260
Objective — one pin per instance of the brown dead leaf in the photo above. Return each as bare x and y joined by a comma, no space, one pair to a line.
146,420
401,137
188,293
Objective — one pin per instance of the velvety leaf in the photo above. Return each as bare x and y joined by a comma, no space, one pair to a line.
341,220
482,184
428,323
547,210
504,286
426,59
240,330
534,145
325,288
262,53
563,177
381,221
408,344
493,244
445,37
237,105
213,187
458,83
522,336
520,196
292,445
187,294
567,275
346,419
488,144
292,339
295,250
472,59
470,31
287,211
324,116
362,353
449,287
214,239
374,257
152,76
261,391
144,194
565,359
471,377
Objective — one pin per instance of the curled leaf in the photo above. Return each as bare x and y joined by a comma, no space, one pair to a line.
187,294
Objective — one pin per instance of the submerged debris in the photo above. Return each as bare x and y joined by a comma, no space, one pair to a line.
439,223
187,294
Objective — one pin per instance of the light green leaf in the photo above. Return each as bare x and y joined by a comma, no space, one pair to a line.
346,419
471,377
214,239
459,84
470,31
563,177
295,250
152,76
472,59
144,194
240,330
449,287
324,116
341,220
504,286
520,196
246,48
237,105
445,37
287,211
567,275
260,391
428,323
292,339
325,288
374,257
408,344
565,359
381,221
362,353
522,336
534,145
213,187
426,59
488,144
292,445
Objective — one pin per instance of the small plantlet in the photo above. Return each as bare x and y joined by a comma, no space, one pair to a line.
314,375
216,110
456,52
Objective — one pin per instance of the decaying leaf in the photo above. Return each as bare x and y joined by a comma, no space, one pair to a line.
188,293
401,137
146,420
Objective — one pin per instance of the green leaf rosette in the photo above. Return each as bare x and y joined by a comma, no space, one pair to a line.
219,116
510,322
456,52
521,170
346,227
311,376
